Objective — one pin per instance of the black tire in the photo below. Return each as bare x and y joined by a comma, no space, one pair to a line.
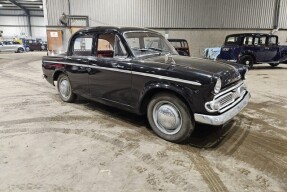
43,48
20,50
163,102
274,64
65,89
247,60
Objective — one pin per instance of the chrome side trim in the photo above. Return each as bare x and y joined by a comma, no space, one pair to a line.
167,78
131,72
225,117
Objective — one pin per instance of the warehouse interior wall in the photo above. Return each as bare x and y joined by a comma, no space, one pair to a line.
203,23
17,27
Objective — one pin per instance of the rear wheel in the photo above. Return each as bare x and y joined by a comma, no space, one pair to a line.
273,64
247,60
42,47
170,118
65,89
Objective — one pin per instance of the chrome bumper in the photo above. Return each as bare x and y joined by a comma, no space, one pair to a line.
225,117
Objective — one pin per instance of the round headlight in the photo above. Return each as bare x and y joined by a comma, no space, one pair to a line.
217,86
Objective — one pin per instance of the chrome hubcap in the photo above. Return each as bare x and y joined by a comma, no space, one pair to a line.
65,88
167,117
247,62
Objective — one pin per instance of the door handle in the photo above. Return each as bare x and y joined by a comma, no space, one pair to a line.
120,66
267,48
85,61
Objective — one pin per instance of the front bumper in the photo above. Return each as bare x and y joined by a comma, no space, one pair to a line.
225,117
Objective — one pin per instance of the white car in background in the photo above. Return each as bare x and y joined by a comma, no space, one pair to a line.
8,46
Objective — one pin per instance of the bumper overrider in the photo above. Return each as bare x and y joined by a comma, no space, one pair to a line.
226,116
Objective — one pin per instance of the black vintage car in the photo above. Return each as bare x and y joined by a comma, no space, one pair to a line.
114,66
253,48
35,45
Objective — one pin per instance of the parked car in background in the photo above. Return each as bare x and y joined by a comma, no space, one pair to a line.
211,53
115,66
8,46
33,45
253,48
181,46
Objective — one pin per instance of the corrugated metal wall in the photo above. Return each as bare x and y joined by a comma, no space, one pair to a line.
170,13
16,25
283,14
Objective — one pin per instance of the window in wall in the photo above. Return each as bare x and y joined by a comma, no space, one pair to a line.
83,46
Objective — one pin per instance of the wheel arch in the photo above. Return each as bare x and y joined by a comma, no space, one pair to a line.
151,92
57,73
248,54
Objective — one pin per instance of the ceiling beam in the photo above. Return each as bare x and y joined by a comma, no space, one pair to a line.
26,12
20,6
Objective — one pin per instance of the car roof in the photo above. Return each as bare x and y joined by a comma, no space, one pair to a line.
114,28
246,34
176,39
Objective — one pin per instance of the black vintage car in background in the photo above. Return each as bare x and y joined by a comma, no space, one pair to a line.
181,46
120,67
253,48
35,45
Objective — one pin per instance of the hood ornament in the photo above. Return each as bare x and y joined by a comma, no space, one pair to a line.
169,59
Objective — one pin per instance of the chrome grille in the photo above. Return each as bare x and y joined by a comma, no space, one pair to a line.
226,99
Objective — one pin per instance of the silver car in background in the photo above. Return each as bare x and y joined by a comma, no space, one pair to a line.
8,46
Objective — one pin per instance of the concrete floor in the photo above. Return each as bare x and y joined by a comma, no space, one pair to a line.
48,145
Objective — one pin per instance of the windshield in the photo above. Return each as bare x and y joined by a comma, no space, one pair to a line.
148,43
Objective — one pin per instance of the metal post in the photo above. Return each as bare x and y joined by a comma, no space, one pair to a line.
29,24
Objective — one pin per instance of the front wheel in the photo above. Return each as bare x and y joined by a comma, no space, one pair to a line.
273,64
20,50
65,89
247,60
170,118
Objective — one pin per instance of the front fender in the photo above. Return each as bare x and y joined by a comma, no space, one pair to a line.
185,93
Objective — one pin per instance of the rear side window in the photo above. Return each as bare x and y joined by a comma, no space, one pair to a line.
110,46
232,40
184,44
83,46
176,43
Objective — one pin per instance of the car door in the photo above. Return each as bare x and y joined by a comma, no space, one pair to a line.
78,63
6,46
272,49
260,47
110,75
